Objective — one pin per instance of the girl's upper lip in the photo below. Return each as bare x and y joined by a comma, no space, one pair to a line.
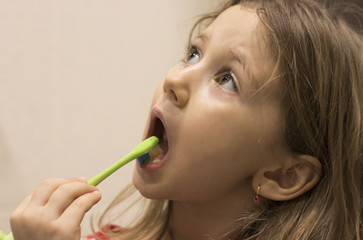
156,113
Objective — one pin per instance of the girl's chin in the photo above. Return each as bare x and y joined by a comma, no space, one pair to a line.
153,194
150,194
143,188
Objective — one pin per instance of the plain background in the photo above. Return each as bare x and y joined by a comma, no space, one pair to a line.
76,81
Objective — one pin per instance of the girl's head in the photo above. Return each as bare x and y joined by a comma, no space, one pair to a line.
269,96
220,123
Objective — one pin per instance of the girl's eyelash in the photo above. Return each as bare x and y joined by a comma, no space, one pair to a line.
225,69
189,51
222,73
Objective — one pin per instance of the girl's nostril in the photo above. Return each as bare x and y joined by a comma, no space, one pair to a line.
173,96
177,91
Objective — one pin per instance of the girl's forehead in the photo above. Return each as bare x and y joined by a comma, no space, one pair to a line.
237,29
237,15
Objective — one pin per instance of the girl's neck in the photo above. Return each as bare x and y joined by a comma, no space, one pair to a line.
196,221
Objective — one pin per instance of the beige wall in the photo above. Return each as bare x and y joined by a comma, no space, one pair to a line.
76,80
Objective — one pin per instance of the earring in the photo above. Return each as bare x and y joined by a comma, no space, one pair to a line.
257,198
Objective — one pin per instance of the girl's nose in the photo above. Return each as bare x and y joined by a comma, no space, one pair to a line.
177,87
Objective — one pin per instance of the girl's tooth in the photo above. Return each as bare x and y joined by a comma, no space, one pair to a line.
156,160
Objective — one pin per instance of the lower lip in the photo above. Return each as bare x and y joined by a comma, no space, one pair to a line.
154,166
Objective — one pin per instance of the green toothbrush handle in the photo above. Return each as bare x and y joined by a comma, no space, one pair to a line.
111,169
137,152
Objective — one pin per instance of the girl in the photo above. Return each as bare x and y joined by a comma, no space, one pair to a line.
261,131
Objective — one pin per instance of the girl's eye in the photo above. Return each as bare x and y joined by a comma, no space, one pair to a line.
227,81
193,56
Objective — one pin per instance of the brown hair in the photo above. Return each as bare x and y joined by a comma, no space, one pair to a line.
319,64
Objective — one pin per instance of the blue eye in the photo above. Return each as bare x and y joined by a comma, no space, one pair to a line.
227,81
193,56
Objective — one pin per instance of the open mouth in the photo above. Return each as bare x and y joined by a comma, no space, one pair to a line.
158,130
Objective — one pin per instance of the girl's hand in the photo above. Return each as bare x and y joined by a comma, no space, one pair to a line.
54,211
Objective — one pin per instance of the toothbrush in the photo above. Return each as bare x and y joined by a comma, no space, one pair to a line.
144,152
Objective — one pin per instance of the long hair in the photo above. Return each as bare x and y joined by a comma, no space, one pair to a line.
319,65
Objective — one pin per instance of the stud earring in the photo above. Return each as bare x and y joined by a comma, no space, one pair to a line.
257,198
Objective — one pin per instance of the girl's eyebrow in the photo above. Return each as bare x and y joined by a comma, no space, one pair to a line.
203,37
235,56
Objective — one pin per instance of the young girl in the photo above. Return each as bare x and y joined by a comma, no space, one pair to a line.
261,131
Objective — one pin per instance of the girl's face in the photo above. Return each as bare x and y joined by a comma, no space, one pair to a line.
216,129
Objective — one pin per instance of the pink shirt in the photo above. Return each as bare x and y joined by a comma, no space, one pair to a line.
101,236
115,229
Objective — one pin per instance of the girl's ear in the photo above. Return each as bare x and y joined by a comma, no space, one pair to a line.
288,180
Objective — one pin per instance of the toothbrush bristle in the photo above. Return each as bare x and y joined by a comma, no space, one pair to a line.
144,158
151,155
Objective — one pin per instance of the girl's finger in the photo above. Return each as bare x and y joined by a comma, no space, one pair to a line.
42,194
75,212
65,194
22,206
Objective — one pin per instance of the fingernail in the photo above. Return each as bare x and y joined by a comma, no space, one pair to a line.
96,193
82,178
